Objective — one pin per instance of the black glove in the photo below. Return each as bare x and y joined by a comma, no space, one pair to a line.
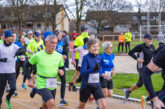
96,67
20,52
3,59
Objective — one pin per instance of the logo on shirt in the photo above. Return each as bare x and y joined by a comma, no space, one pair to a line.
106,61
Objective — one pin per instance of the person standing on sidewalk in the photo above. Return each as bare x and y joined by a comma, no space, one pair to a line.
121,42
128,39
8,53
161,38
148,49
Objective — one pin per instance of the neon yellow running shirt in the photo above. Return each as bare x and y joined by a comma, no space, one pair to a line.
47,66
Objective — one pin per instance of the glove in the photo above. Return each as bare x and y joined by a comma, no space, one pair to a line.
96,67
20,52
3,59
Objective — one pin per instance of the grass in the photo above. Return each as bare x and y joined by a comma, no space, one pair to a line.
115,48
121,81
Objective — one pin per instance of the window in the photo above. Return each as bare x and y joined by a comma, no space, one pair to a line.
143,18
134,18
122,26
39,25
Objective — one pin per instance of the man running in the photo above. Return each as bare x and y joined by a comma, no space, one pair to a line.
157,63
147,48
8,53
78,43
29,38
49,63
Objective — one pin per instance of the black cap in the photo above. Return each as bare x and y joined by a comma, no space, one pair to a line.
148,36
83,28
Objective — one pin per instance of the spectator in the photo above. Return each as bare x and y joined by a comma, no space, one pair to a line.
128,39
161,38
121,42
74,35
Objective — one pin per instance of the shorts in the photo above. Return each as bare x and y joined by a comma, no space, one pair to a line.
77,64
106,84
78,68
47,94
86,92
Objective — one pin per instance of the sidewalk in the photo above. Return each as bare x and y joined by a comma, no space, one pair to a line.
123,64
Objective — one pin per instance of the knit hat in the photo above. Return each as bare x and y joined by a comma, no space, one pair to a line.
38,35
8,33
47,33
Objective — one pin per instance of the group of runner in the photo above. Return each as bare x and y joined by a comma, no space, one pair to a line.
42,59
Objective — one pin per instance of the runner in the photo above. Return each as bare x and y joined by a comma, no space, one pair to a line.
128,39
74,35
148,50
78,43
59,49
47,71
161,38
90,83
14,38
29,38
8,51
156,63
65,41
107,69
82,51
21,60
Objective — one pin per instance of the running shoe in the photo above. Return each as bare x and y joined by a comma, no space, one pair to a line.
8,105
126,94
24,86
97,105
91,98
15,94
74,89
70,86
33,92
63,103
143,102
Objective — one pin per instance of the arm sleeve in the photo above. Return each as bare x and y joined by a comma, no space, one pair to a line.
74,50
84,70
33,59
137,48
26,68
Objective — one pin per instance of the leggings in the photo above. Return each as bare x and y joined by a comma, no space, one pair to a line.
63,84
20,64
127,44
122,45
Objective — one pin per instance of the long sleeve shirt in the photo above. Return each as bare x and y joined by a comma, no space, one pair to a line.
88,75
147,51
59,47
65,40
82,52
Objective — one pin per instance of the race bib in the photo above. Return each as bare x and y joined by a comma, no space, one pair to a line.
22,57
51,82
108,73
93,78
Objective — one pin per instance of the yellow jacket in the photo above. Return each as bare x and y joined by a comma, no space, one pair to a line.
128,37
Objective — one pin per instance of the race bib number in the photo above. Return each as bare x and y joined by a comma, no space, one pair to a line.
108,73
93,78
51,82
22,57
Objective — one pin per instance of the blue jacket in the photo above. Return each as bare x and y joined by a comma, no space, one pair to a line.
88,63
107,62
59,47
